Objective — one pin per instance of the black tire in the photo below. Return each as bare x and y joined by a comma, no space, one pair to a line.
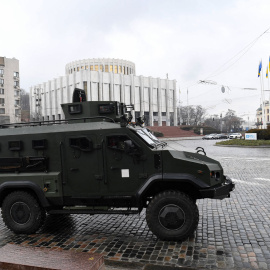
172,216
22,213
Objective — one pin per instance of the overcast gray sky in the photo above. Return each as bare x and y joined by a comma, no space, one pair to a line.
188,39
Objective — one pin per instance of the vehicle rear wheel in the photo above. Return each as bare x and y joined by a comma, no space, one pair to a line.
22,213
172,215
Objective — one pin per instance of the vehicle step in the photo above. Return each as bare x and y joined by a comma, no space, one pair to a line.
92,212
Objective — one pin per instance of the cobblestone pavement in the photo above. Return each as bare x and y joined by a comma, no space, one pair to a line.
232,233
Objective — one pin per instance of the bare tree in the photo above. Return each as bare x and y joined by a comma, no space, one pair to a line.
192,115
25,106
232,122
229,123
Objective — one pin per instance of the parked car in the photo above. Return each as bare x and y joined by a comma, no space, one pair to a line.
221,136
209,136
235,136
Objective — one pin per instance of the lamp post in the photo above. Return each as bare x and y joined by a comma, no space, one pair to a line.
221,123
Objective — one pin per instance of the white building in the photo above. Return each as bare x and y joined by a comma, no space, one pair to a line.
259,114
107,80
10,110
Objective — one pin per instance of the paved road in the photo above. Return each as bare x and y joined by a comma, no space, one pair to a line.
232,234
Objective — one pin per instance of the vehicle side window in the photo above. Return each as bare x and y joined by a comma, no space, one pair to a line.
117,142
82,143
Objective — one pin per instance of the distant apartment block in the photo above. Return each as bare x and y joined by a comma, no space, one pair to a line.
107,79
10,110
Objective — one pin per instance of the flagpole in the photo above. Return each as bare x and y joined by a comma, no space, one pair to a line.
269,98
262,94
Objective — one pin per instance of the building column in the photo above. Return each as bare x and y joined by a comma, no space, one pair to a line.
132,95
151,120
122,90
159,102
167,95
111,88
174,103
50,100
142,95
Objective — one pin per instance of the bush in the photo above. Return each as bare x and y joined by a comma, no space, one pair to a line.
262,134
187,128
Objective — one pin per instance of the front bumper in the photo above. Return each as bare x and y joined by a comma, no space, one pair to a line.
220,192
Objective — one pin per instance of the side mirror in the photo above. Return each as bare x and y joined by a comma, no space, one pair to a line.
129,146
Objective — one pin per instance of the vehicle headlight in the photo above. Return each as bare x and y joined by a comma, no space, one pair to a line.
215,175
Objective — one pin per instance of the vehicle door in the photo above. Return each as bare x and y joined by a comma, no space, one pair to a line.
125,170
83,162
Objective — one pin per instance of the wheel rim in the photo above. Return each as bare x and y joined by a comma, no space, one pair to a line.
20,213
171,217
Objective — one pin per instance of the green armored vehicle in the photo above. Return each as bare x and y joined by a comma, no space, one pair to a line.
97,161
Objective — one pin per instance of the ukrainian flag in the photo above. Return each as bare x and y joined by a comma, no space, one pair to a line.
267,72
260,68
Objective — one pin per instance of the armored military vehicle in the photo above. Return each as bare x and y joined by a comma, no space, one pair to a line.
97,161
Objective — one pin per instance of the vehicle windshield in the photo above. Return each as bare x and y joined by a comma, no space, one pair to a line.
149,138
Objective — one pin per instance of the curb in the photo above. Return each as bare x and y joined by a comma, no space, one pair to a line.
179,138
244,146
141,266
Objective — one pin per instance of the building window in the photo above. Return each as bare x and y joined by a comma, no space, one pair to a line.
115,69
16,93
17,102
1,72
127,70
70,71
101,68
82,67
78,68
16,74
2,101
86,67
2,110
91,67
120,69
96,67
2,92
17,112
111,68
124,70
106,68
2,82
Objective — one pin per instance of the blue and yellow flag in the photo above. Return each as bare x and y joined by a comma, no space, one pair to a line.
260,68
266,72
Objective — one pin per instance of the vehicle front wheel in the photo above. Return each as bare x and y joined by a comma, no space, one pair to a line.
22,213
172,216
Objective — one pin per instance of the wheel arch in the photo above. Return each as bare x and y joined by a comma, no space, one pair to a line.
30,187
185,183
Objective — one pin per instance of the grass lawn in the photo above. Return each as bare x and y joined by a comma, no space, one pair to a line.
244,142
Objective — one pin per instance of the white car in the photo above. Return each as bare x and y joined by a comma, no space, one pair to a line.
209,136
235,136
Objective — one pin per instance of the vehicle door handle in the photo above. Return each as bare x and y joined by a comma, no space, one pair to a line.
74,169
